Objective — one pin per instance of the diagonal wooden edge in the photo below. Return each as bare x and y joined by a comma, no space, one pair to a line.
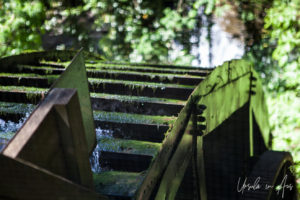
53,138
75,77
17,143
177,166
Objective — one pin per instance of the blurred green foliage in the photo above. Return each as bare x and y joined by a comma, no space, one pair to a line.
21,25
152,31
282,25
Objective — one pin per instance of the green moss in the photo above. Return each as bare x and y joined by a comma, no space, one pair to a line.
48,70
58,62
133,84
133,67
32,96
23,89
152,75
137,98
20,75
117,183
52,79
130,146
132,118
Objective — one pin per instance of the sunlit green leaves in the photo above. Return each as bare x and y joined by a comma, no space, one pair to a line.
21,26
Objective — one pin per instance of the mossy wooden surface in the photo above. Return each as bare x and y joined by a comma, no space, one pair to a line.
233,78
22,89
27,75
16,108
151,74
129,146
138,83
141,64
47,70
124,67
117,183
51,78
132,118
146,65
137,98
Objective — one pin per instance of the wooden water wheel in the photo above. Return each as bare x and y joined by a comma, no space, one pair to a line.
162,131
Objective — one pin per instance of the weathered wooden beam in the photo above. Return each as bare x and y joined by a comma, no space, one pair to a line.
152,70
44,82
160,91
112,104
135,131
164,66
147,77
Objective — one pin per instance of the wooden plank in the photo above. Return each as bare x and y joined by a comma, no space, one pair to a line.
161,91
134,106
202,73
24,180
164,66
147,77
135,131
